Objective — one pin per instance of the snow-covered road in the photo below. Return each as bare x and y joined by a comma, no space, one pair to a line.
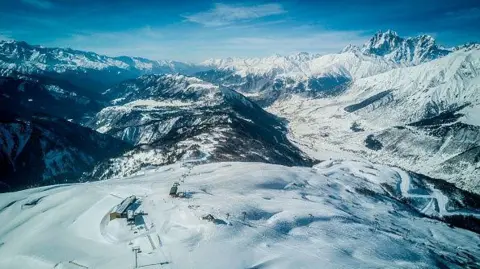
437,199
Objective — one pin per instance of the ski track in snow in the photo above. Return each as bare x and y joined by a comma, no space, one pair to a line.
436,197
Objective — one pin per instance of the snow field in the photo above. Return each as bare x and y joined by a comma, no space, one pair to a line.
335,215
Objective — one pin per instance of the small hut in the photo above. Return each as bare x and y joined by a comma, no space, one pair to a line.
174,189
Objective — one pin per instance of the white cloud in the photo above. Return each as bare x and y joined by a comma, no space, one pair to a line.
223,14
43,4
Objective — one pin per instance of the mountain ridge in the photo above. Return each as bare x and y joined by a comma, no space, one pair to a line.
172,118
374,117
389,73
410,50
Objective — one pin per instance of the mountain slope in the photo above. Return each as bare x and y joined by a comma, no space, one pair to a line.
278,77
81,68
39,94
39,143
427,90
424,118
407,51
339,214
40,150
317,76
173,118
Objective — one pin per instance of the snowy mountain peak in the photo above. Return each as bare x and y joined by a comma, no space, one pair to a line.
383,43
389,33
19,56
303,53
302,56
384,51
410,51
468,46
13,42
350,48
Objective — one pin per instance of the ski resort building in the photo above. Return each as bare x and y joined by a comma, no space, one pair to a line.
120,211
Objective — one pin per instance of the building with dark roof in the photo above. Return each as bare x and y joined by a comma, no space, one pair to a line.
120,211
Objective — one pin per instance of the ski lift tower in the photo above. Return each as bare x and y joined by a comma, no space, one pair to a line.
136,250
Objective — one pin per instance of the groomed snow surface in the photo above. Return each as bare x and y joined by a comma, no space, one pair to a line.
334,215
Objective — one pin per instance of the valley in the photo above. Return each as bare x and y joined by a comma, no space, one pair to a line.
365,158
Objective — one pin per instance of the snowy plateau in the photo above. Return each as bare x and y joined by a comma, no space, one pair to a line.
366,158
338,214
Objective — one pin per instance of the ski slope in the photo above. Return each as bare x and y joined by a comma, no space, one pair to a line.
334,215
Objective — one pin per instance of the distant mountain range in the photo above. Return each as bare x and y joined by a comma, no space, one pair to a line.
384,47
267,79
81,68
401,101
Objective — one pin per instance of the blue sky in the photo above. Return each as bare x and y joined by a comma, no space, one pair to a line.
198,30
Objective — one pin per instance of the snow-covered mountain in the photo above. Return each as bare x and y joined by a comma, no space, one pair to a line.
270,78
311,74
388,84
172,118
391,122
407,51
39,143
80,67
38,150
351,64
317,76
273,65
423,118
441,100
39,94
338,214
25,58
